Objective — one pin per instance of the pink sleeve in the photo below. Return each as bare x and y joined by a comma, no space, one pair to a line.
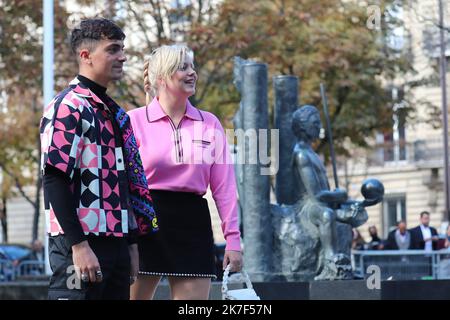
223,187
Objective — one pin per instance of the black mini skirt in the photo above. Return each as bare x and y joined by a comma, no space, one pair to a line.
184,244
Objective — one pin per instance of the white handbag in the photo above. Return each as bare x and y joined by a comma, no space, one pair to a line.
238,294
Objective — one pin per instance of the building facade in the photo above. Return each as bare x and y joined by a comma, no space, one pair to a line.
409,158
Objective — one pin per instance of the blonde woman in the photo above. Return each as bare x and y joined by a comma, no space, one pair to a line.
184,150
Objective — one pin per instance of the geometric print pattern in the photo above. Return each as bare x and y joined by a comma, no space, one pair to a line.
77,138
141,203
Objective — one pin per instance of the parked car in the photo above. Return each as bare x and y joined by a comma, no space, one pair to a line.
14,252
18,260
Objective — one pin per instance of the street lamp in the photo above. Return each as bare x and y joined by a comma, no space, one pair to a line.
443,80
48,79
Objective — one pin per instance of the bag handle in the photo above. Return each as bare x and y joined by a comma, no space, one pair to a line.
226,278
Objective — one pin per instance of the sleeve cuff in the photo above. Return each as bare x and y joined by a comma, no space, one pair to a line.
233,244
73,239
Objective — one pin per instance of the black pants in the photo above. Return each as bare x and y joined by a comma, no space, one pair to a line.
113,256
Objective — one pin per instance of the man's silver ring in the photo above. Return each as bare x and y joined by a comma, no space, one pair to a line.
84,277
98,274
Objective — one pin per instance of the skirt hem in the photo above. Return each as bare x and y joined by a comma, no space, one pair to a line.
168,274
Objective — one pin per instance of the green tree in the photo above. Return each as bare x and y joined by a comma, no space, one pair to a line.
21,36
150,24
324,41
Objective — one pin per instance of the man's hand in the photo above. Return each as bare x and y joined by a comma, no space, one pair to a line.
134,262
86,262
234,258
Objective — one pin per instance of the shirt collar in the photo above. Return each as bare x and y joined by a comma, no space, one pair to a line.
155,111
400,234
82,90
96,88
192,112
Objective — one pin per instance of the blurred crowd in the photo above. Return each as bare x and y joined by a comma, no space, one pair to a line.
421,237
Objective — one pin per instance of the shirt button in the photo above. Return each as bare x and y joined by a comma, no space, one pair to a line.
119,161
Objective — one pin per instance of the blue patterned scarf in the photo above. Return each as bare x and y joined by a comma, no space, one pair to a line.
139,193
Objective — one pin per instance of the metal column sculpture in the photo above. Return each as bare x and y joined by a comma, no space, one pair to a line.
255,187
286,102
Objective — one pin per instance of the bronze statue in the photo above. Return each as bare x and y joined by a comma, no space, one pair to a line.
320,205
307,233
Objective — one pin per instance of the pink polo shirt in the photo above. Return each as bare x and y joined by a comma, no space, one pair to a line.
188,158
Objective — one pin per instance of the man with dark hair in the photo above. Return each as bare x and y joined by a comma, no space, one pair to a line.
95,192
424,237
399,239
91,31
375,242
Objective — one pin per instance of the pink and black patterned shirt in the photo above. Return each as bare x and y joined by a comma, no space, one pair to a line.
77,138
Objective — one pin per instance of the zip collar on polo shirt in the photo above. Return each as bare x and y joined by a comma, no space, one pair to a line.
155,112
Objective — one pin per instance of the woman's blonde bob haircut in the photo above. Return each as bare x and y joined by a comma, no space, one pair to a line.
162,64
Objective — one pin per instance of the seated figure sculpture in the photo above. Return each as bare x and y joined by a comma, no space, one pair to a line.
318,204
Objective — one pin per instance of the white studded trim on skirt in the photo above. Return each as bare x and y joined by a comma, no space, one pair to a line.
167,274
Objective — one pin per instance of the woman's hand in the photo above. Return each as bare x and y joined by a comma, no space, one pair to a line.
234,258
